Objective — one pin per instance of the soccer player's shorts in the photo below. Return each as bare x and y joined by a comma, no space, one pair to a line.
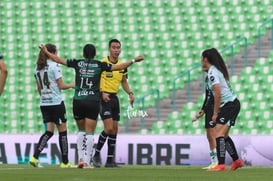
86,109
228,113
54,113
111,108
208,118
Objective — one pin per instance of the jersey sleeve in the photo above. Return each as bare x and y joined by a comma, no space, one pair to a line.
71,62
57,72
213,78
106,66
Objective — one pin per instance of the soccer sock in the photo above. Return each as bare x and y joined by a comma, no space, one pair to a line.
111,148
81,144
102,138
231,149
64,146
221,149
42,143
89,147
213,156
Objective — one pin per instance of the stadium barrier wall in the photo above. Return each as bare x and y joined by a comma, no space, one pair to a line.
141,150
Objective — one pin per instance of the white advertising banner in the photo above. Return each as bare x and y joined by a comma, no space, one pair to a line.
141,149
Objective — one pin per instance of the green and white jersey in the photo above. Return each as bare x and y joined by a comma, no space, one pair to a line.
87,80
216,77
47,79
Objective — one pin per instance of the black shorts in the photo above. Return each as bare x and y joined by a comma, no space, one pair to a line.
54,113
86,109
228,113
110,109
208,118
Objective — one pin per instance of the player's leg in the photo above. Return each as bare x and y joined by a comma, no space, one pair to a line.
81,142
34,161
90,126
210,132
78,114
49,127
112,138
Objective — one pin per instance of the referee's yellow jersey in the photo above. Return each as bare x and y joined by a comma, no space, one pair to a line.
110,81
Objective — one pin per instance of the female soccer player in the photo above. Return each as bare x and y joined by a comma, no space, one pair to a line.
86,101
207,109
49,83
225,110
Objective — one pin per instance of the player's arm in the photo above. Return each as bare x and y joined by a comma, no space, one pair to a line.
52,56
217,101
38,86
3,76
127,64
63,86
127,89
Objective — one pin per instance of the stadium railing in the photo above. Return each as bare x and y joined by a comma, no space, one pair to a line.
197,66
259,34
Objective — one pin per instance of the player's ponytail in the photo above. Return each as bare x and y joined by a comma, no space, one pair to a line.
42,58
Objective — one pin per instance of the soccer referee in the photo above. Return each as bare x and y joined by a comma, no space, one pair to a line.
110,108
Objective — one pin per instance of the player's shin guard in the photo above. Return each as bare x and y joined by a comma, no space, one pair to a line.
231,149
221,149
42,143
81,144
89,148
64,146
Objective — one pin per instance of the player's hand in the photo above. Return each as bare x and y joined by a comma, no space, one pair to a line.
131,99
214,117
43,47
105,97
139,58
198,115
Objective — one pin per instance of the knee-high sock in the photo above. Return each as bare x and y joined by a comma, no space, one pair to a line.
81,144
221,149
213,156
102,138
89,148
231,149
64,146
111,148
42,143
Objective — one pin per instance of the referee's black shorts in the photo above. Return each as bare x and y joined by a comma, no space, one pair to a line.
111,108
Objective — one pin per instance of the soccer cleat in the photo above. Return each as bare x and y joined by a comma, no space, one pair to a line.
220,167
80,164
236,164
97,160
210,166
111,165
35,162
68,165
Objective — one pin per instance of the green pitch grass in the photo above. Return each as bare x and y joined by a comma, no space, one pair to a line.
131,173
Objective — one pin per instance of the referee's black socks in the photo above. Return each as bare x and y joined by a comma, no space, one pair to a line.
102,138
